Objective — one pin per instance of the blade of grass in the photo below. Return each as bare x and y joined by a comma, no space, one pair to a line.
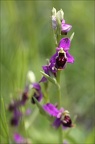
3,120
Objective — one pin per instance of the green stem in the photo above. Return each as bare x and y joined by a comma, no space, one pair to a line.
45,92
59,89
58,37
60,135
59,105
59,97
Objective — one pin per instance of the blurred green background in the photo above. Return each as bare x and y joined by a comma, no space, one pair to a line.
27,41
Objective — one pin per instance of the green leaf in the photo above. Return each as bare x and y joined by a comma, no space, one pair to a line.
91,137
2,128
3,122
75,135
52,80
72,140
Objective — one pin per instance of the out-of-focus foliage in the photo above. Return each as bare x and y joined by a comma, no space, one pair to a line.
27,40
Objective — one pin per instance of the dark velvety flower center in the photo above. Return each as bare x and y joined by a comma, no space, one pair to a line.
67,121
36,96
11,107
60,61
14,105
63,33
14,121
24,97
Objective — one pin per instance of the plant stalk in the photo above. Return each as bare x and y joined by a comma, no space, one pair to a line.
59,106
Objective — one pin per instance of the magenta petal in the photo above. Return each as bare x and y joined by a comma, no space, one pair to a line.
53,58
51,109
36,86
63,21
65,27
18,138
60,112
65,142
43,79
64,43
40,96
17,113
57,122
28,112
70,58
46,69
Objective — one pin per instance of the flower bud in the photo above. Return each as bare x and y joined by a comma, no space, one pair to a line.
60,15
54,11
71,37
31,77
54,24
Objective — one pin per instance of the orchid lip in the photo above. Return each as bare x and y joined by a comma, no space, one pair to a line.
67,121
61,59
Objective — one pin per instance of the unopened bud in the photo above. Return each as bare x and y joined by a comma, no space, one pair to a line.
54,24
54,11
60,15
31,77
71,37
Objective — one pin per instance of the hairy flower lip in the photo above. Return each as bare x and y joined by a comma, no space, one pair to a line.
60,59
14,121
67,121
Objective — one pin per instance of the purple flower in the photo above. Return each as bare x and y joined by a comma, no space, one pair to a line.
62,56
18,139
28,112
46,69
51,109
49,70
62,116
38,93
59,59
14,107
65,142
64,44
17,114
65,28
11,106
24,98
